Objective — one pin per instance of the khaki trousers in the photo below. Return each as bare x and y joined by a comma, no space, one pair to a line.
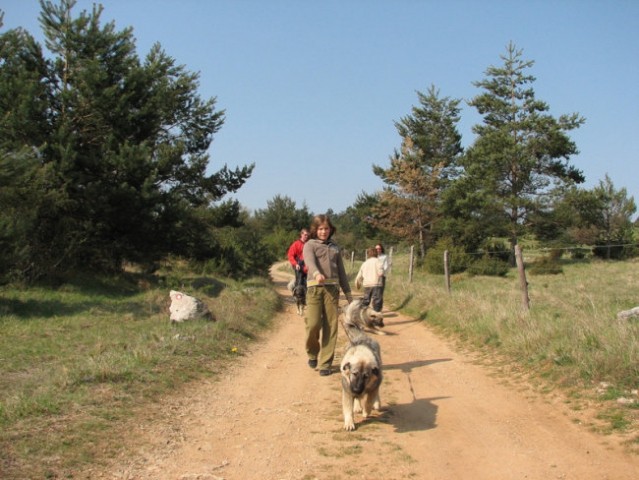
321,321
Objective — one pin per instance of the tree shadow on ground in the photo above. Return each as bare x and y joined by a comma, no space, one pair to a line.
35,308
405,302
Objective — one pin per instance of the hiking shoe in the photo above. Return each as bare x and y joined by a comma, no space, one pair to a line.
312,363
325,373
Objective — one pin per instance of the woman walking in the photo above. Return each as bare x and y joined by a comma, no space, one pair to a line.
326,275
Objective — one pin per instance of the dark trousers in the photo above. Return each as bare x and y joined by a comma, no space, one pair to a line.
373,296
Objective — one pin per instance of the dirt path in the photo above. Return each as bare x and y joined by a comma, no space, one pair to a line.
444,417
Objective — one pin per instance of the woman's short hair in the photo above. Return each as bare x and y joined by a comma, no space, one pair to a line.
319,220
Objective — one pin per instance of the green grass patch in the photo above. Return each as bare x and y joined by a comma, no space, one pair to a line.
570,333
81,357
615,419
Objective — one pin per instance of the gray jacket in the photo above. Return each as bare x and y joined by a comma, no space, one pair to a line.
325,258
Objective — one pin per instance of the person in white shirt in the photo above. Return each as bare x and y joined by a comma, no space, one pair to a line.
370,278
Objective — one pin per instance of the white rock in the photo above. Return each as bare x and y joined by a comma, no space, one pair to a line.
185,307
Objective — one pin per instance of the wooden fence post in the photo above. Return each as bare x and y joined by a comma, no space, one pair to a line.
523,283
446,271
410,264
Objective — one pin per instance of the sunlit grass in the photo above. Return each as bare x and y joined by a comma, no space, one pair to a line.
571,324
570,337
79,357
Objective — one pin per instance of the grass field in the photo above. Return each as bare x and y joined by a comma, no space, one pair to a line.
83,358
80,359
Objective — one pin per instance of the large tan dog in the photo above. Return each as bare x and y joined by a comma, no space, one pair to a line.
363,318
361,370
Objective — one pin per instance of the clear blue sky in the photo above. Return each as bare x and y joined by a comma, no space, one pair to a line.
311,88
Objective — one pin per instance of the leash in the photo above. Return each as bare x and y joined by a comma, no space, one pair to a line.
346,330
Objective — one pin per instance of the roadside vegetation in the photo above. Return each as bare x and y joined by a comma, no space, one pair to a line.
104,164
81,359
569,340
84,358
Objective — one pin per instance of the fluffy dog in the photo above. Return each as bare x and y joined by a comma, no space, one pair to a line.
364,318
361,370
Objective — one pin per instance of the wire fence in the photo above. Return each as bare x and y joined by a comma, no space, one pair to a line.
532,253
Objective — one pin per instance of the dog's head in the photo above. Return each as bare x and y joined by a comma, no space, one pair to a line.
372,318
360,375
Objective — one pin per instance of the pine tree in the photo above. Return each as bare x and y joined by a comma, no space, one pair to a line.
616,231
419,173
521,151
355,227
124,141
25,96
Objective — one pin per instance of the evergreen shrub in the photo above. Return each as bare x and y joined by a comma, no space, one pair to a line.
458,259
545,266
497,250
490,267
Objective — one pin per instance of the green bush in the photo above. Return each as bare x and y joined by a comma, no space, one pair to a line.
579,253
489,266
545,266
556,254
496,249
458,259
614,252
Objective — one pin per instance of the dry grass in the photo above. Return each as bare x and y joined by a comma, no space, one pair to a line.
570,337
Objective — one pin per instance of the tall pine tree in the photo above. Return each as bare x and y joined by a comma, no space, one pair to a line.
124,141
521,151
419,173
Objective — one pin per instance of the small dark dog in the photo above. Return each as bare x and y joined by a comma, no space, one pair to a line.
298,290
299,293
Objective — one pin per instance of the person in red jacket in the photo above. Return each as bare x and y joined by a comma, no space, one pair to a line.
296,258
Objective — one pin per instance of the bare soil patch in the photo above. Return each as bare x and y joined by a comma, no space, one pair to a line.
445,416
